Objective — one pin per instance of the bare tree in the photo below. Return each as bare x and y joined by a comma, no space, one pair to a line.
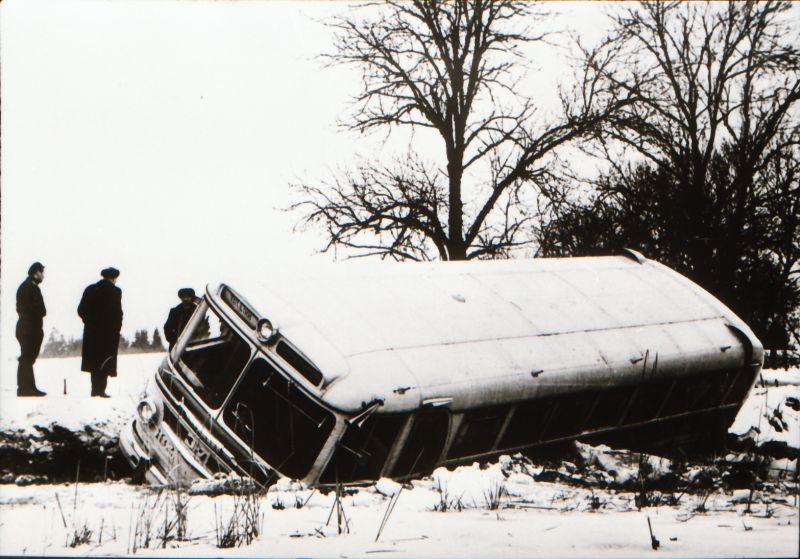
452,68
702,76
702,165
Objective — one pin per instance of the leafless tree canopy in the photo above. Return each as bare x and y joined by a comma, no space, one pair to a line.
453,68
702,75
703,169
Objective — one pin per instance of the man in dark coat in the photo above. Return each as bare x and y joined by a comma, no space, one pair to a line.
101,311
179,315
31,311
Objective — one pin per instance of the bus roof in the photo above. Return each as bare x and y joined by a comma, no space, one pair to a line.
423,328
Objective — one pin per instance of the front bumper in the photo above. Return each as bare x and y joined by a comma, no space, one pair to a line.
134,451
156,456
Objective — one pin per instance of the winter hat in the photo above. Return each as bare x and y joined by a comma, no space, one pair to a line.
35,267
110,273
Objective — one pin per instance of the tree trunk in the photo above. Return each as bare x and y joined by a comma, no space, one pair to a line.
455,222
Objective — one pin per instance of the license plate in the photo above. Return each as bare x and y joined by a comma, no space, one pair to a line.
198,450
165,442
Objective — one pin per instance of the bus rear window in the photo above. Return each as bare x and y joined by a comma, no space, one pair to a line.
275,418
213,357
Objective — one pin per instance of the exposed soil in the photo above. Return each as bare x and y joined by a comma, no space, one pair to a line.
57,455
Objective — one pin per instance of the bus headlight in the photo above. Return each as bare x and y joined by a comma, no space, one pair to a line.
265,330
148,412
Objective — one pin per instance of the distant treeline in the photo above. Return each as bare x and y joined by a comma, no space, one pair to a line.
57,345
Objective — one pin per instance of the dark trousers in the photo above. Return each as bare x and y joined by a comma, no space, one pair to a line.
30,338
99,382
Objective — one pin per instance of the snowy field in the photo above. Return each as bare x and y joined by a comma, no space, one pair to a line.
75,409
587,507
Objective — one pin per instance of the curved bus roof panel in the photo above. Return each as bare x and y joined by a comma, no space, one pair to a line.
442,329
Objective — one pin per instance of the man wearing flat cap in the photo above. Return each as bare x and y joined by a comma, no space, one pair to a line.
179,315
101,311
31,311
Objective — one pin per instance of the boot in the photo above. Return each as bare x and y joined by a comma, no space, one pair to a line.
30,393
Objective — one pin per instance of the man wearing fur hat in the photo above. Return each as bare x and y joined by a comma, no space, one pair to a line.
31,311
101,311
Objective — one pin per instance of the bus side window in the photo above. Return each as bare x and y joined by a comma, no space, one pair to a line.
424,444
363,450
527,424
478,431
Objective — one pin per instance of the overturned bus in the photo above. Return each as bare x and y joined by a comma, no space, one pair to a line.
369,370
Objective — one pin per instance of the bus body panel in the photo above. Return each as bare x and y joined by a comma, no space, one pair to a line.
396,310
391,369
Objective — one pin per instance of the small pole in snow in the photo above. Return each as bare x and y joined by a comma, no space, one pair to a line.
389,509
65,386
653,541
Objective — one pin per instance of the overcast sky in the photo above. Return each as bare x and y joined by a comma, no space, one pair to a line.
160,138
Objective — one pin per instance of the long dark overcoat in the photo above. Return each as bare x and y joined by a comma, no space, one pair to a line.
101,311
176,321
31,311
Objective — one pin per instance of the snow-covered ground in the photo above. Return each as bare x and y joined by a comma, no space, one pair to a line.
501,509
75,409
554,520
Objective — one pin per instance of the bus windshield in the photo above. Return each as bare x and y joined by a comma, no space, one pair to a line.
213,357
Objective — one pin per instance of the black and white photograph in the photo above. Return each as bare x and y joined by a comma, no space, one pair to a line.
399,278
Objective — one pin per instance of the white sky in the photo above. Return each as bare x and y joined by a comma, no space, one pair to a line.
160,138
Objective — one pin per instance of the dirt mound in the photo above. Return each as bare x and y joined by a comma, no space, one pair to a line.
55,454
